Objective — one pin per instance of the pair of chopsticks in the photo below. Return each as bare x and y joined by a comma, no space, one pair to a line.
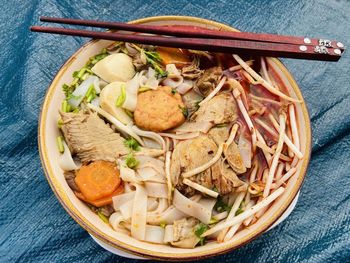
198,38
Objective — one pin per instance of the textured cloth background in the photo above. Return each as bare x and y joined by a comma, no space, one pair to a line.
33,225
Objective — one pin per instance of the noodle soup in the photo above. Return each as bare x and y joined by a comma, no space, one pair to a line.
173,153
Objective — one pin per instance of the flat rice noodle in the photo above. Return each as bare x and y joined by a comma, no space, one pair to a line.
139,214
169,234
146,161
115,221
149,134
119,200
201,210
152,204
182,136
168,216
126,209
127,174
146,173
156,190
200,126
150,143
154,234
161,207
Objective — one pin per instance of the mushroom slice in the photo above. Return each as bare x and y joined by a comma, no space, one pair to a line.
234,158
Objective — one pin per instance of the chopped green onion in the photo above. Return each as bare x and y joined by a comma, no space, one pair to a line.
213,220
85,76
221,206
91,93
60,123
143,89
64,106
221,125
184,111
199,231
153,58
60,144
121,98
240,210
132,144
131,161
103,217
173,91
129,113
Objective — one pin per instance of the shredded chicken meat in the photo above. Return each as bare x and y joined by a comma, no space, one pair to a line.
191,154
220,109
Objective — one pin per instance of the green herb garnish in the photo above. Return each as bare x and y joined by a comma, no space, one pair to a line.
103,217
132,144
199,231
131,161
184,111
213,220
91,93
68,90
221,125
65,106
221,206
60,123
121,98
143,89
173,91
60,145
129,113
240,209
162,225
153,58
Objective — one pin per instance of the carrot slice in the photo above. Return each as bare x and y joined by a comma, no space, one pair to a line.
98,179
173,56
104,200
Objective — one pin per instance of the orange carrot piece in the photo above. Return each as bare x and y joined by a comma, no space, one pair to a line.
98,179
104,200
173,56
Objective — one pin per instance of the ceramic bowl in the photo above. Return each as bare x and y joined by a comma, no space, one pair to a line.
92,223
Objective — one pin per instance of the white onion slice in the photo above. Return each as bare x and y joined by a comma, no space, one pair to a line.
80,92
185,86
66,161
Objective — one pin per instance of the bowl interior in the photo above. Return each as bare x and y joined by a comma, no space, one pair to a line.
91,222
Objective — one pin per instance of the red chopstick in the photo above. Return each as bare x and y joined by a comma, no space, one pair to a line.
198,32
215,45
